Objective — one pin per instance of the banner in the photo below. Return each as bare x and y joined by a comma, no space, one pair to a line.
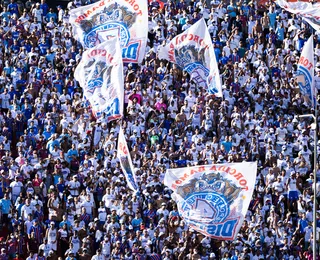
128,20
213,199
100,74
308,11
305,72
192,51
125,161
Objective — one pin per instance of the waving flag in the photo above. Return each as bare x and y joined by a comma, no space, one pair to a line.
192,51
125,161
100,74
308,11
213,199
127,20
305,72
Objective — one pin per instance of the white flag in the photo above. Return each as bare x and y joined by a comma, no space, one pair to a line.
126,162
127,20
305,72
213,199
308,11
100,74
192,51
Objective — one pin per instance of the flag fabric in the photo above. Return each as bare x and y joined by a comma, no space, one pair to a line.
192,51
126,162
213,199
305,72
100,74
308,11
128,20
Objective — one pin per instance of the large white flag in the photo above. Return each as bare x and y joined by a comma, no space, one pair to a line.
127,20
213,199
100,74
126,162
305,72
192,51
308,11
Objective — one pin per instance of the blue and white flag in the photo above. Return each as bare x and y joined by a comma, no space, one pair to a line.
192,51
128,20
305,72
213,199
126,162
310,12
100,74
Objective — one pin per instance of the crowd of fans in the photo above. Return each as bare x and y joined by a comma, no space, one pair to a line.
62,191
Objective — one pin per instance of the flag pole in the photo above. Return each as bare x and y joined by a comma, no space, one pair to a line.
314,104
315,99
315,181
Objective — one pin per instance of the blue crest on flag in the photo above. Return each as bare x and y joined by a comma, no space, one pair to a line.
112,21
304,80
212,84
206,204
96,78
192,60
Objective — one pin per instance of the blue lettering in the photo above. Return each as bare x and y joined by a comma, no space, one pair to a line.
131,51
228,228
211,229
113,108
219,230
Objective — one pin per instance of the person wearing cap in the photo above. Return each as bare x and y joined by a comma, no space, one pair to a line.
293,194
74,186
106,247
37,230
52,236
84,253
98,255
163,212
45,247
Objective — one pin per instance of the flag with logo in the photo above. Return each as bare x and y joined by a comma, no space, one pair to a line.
213,199
305,72
193,52
100,74
128,20
125,162
308,11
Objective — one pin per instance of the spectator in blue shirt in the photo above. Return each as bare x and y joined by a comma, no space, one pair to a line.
5,206
50,15
13,8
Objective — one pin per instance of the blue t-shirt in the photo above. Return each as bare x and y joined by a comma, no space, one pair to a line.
232,11
280,34
136,223
5,206
13,8
227,145
272,17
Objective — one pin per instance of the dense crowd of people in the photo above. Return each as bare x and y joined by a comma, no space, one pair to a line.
63,194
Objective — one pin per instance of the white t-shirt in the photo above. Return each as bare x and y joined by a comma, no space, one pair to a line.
88,206
16,187
5,100
74,184
26,210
